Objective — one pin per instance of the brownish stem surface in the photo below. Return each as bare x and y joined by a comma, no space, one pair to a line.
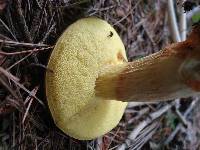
168,74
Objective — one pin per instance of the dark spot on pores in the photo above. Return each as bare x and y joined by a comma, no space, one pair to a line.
110,34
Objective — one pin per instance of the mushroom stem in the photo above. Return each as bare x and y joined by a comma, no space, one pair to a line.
168,74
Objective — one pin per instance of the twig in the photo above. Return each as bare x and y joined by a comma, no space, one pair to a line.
113,148
134,104
145,136
22,21
30,99
191,107
18,62
36,20
110,138
13,78
131,11
113,137
179,126
9,20
38,4
181,117
8,29
8,74
90,145
143,124
48,33
183,23
26,51
139,114
97,10
75,4
14,43
41,20
175,32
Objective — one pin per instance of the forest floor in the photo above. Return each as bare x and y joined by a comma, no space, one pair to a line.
29,30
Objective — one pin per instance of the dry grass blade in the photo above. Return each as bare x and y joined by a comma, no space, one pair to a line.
185,122
144,136
8,74
8,87
8,29
15,80
129,13
132,136
40,20
148,120
16,63
30,99
22,21
26,51
14,43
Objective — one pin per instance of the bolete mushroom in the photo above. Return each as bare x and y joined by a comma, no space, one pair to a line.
92,81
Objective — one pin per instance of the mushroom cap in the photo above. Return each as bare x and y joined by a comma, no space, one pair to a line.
85,47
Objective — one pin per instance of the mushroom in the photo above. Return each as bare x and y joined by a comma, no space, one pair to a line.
92,81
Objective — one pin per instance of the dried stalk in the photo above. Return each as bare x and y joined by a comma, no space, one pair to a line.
153,116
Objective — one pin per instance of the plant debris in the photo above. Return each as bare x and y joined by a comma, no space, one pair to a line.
28,32
188,5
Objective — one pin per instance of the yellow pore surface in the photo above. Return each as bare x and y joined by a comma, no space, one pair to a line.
81,52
